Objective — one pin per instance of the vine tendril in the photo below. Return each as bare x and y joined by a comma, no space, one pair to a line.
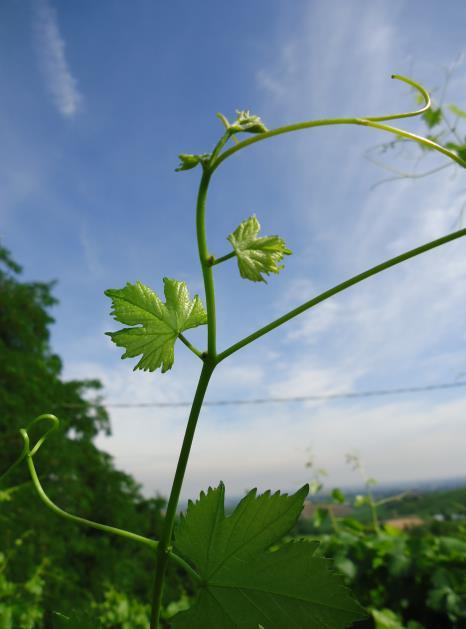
26,450
28,454
407,114
369,121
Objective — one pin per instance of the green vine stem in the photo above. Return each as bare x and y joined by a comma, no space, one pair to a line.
363,122
204,378
163,551
207,271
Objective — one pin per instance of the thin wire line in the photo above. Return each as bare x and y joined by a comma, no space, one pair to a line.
281,400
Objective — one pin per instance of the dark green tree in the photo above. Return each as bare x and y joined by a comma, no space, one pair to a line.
72,568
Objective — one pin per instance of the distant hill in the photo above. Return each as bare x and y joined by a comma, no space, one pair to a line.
445,504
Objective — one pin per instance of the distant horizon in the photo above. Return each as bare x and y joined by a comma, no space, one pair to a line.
422,486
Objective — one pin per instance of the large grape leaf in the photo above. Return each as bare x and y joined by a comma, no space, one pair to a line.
159,324
257,255
244,584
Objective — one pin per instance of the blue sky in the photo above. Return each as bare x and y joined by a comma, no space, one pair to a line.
98,100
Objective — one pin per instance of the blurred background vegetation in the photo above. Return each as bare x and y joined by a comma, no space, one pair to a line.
52,570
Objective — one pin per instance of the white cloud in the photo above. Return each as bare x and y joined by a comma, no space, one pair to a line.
53,63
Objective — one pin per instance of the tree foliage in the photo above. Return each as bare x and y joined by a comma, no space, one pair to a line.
52,569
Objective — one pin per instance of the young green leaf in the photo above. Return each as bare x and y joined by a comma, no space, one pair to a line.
244,584
257,255
158,324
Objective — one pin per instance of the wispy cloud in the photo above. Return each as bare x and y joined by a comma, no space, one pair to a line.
52,59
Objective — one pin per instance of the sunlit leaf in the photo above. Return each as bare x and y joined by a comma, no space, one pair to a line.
157,324
257,256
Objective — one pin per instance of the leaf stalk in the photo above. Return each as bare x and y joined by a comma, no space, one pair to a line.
224,258
190,346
